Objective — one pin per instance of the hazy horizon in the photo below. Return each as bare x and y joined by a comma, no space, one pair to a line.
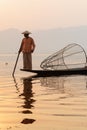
47,41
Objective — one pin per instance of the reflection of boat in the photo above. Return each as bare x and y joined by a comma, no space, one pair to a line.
70,60
44,73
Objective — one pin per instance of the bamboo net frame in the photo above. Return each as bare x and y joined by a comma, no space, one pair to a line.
71,56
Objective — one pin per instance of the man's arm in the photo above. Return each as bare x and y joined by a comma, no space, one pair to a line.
33,46
20,49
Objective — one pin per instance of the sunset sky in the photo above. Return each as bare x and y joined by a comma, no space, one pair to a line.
42,14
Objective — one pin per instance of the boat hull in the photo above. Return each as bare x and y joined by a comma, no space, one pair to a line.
46,73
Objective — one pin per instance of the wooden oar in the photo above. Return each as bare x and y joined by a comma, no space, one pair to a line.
15,64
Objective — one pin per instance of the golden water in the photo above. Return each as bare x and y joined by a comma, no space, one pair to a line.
43,103
49,103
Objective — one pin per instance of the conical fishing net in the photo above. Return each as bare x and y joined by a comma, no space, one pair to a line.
71,56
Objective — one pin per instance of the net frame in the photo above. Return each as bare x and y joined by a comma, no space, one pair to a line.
56,61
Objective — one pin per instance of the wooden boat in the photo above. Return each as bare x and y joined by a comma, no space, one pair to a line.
46,73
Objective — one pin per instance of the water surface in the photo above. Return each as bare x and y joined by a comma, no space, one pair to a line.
54,103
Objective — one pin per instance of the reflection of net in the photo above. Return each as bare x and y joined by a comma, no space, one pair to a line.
53,84
71,56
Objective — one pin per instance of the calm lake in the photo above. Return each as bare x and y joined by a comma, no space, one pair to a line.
49,103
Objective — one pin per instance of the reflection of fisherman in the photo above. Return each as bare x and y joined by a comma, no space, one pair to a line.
28,94
27,47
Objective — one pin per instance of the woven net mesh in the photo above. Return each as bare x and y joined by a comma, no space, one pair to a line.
71,56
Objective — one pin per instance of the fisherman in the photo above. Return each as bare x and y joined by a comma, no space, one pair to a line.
27,48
